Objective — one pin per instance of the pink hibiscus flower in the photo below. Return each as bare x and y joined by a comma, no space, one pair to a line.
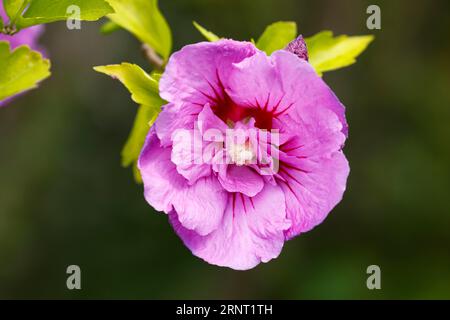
234,202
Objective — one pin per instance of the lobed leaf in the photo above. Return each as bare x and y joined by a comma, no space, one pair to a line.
328,53
46,11
21,69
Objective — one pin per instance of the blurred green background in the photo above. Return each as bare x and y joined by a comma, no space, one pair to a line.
64,198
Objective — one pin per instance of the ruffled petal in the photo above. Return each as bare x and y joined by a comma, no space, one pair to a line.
251,231
282,85
187,154
197,73
312,187
313,170
318,133
241,179
209,124
200,206
161,179
175,117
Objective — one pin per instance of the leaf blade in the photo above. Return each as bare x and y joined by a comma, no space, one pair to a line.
145,117
143,88
144,91
210,36
13,8
145,21
47,11
22,70
277,36
109,27
327,53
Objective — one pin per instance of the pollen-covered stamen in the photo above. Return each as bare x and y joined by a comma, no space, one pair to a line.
241,153
298,47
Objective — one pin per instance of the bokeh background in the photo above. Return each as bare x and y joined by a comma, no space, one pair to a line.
64,198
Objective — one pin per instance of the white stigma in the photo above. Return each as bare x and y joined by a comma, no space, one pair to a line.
240,154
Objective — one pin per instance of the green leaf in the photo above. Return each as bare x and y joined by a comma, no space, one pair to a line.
156,75
328,53
137,173
145,118
144,90
109,27
207,34
277,36
144,20
14,8
46,11
21,69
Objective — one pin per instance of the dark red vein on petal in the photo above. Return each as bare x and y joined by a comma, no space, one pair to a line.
243,202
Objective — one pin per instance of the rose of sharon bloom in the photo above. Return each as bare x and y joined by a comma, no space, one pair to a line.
28,36
235,214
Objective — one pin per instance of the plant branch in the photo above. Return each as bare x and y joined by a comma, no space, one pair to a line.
152,57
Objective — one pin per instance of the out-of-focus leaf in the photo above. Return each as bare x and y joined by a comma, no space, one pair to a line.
145,118
145,21
20,70
136,173
109,27
13,8
207,34
144,91
328,53
156,75
277,36
46,11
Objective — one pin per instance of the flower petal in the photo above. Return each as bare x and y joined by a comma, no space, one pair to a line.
200,207
250,232
318,133
241,179
187,155
174,117
161,180
312,187
282,85
28,36
313,170
208,121
195,73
